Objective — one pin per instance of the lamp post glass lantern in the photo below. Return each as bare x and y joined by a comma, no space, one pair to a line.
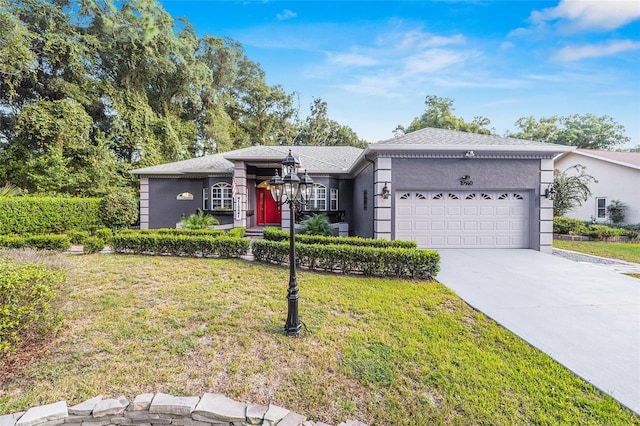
294,191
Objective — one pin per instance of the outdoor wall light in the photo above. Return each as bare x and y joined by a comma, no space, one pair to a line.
469,154
184,196
294,191
549,192
385,191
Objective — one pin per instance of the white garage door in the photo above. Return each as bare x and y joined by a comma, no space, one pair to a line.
463,219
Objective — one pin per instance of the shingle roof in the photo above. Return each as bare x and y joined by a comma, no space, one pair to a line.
631,159
207,164
316,159
341,159
452,138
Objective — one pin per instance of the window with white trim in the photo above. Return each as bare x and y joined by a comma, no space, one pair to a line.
601,208
318,199
205,198
334,199
221,196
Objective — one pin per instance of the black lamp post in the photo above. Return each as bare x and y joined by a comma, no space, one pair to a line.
291,190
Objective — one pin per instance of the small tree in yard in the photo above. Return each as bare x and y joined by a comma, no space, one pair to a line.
118,209
616,211
571,189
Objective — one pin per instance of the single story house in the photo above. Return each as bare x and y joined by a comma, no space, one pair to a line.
618,178
441,188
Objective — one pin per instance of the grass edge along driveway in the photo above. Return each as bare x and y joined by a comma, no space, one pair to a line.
385,351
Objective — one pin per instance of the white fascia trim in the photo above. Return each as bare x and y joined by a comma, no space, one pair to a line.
605,159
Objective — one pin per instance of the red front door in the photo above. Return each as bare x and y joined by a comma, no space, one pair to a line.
268,210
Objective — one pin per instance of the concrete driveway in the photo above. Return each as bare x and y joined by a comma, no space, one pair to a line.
585,316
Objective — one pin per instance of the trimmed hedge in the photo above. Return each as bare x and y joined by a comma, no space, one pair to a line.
177,231
275,234
179,245
566,225
38,242
43,215
370,261
93,245
26,292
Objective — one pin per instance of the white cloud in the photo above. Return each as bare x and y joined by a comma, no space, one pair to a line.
352,59
589,15
435,60
421,40
576,53
286,14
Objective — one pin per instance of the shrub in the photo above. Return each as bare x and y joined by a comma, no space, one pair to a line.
105,234
237,232
616,210
38,242
77,237
199,220
43,215
26,292
316,225
177,231
118,209
93,245
274,234
599,232
567,225
179,245
370,261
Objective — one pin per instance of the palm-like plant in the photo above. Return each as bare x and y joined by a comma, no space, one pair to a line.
9,190
199,220
571,189
316,225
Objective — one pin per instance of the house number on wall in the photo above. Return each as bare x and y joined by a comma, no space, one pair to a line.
466,180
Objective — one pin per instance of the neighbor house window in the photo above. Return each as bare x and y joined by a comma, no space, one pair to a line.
221,196
205,199
318,199
334,199
601,208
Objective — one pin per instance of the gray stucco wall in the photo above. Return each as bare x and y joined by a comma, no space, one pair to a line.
361,213
164,210
445,174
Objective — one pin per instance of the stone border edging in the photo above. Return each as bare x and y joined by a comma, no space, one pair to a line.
161,409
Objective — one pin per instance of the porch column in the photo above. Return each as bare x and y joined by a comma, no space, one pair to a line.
382,207
144,203
240,196
546,206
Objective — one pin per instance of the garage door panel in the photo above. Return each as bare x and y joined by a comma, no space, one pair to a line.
404,225
486,225
470,226
473,219
454,211
454,225
421,226
485,211
438,225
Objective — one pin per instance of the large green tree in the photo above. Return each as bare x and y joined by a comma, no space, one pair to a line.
92,88
439,114
319,129
584,131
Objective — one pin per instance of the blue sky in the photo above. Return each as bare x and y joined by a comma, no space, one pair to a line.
374,62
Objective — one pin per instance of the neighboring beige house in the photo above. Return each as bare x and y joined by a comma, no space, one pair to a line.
618,175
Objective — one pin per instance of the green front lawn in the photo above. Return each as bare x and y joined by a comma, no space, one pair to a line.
384,351
629,252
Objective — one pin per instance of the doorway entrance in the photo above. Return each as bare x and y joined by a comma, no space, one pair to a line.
269,213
